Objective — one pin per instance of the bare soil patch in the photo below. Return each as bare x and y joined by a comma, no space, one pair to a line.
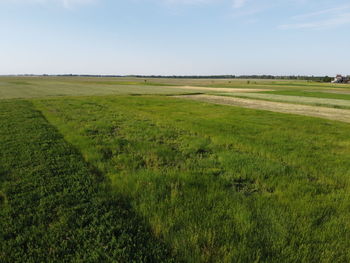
313,111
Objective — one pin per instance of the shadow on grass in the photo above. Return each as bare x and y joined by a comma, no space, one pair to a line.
59,208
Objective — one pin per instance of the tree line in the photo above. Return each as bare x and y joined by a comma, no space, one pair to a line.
290,77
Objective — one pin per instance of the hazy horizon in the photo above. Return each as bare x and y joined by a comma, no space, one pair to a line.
157,75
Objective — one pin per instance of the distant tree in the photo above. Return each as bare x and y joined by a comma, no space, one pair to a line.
327,79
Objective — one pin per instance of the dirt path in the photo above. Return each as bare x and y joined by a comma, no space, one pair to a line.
220,89
313,111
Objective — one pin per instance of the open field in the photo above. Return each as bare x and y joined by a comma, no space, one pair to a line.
126,170
36,87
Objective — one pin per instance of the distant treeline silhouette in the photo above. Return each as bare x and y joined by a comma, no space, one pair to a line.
291,77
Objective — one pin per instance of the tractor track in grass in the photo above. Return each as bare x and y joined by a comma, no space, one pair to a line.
313,111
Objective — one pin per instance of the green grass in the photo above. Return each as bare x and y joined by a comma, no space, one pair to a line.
313,94
55,207
219,183
105,178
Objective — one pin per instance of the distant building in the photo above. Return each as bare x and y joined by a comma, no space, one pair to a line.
341,79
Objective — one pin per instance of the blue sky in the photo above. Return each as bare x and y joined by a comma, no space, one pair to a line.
175,37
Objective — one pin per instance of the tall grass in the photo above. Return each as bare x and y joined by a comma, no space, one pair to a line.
217,183
54,207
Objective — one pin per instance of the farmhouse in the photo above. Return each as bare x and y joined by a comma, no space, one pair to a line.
341,79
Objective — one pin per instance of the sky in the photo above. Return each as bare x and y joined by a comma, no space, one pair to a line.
175,37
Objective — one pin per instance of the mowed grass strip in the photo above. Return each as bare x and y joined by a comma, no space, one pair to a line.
54,207
261,104
325,102
219,183
326,94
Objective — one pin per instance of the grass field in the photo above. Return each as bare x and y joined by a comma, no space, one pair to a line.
34,87
155,178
